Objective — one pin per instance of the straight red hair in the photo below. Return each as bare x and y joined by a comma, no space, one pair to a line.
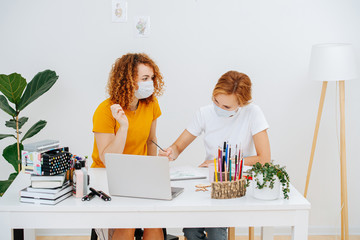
237,83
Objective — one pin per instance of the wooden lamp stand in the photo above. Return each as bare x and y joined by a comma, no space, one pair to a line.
344,201
332,62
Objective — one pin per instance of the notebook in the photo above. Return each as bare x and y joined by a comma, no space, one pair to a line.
139,176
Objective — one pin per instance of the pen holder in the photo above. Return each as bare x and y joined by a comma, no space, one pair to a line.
226,190
221,175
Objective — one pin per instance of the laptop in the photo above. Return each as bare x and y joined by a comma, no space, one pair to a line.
139,176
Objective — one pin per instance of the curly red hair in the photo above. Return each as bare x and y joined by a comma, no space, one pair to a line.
122,80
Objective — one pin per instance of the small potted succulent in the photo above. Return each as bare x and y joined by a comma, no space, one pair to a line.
267,179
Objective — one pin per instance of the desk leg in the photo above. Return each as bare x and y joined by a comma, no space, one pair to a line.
29,234
267,233
300,230
5,229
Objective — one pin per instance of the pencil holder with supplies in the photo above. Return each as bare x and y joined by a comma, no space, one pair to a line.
229,181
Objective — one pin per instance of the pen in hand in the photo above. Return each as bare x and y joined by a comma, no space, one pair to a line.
162,150
158,146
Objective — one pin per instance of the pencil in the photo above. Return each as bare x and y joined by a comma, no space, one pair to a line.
240,162
215,170
220,169
236,163
219,156
229,151
227,157
223,157
242,166
158,146
225,171
236,166
230,168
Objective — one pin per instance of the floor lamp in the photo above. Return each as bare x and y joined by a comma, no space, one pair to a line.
333,62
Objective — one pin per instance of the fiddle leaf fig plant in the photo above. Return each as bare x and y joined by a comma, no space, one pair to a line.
12,87
269,171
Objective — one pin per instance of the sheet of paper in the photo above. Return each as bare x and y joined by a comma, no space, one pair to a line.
185,173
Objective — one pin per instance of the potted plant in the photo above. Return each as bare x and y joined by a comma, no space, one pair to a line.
13,86
267,179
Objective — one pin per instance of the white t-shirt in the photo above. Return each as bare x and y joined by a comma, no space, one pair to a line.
238,129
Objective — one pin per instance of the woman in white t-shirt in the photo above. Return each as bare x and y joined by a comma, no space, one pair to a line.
230,118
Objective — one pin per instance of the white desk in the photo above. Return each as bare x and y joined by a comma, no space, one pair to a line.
190,209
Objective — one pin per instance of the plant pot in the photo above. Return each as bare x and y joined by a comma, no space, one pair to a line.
266,193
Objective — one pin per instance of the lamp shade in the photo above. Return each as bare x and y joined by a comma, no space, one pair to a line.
332,62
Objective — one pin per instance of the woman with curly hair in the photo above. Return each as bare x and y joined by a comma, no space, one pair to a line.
126,121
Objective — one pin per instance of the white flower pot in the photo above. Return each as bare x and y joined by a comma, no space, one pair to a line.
266,193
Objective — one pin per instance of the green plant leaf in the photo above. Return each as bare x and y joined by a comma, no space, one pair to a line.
2,136
4,105
12,176
10,154
12,123
39,85
12,86
34,129
269,173
4,185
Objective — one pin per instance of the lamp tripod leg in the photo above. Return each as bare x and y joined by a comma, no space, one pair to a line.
344,200
321,105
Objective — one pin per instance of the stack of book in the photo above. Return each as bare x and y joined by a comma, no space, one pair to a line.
46,190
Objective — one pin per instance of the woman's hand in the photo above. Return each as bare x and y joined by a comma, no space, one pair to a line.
169,153
206,163
178,146
119,114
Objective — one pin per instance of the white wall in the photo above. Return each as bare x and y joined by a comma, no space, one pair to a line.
194,42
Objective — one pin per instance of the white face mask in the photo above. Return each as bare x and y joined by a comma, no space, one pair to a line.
145,89
224,113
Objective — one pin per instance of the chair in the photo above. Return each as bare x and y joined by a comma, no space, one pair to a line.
138,235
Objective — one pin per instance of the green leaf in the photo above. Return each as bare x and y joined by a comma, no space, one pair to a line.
12,86
2,136
34,129
4,105
4,185
39,85
12,123
11,155
13,176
